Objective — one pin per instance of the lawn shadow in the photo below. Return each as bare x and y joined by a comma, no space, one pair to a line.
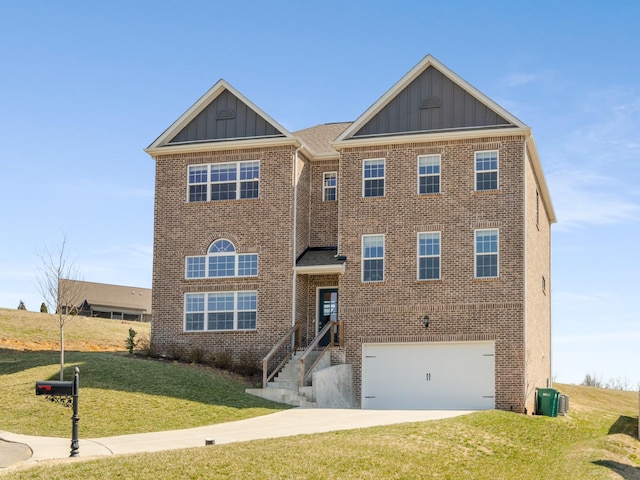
125,373
118,371
626,425
14,361
627,472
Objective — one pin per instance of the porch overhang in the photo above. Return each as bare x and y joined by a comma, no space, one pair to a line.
320,261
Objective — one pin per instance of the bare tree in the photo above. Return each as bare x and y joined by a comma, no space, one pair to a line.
592,381
58,284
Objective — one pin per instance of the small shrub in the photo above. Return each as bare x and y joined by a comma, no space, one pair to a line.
248,364
198,355
144,345
131,341
175,352
223,360
21,306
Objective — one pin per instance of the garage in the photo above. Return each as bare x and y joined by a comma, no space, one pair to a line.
431,376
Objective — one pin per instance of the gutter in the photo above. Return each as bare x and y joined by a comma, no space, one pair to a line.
294,236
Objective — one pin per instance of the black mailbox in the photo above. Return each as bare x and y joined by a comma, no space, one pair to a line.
55,389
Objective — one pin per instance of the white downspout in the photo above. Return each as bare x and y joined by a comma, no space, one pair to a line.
525,339
294,236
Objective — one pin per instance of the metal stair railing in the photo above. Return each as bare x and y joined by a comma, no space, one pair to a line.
281,353
329,332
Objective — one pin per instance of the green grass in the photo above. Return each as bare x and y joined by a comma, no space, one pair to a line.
594,442
123,394
120,394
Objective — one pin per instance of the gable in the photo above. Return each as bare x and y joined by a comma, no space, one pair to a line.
221,115
430,98
432,101
226,117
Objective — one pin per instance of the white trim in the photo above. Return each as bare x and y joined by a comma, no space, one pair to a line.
325,188
236,266
209,182
423,137
475,252
418,256
539,174
321,269
384,176
206,311
259,142
362,257
439,174
476,171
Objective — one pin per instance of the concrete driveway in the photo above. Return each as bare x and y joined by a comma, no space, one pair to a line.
297,421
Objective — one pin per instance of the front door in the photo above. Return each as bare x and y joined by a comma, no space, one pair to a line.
327,310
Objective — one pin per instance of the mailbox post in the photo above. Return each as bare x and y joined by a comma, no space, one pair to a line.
65,389
75,418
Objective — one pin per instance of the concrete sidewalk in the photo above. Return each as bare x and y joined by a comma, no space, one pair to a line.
285,423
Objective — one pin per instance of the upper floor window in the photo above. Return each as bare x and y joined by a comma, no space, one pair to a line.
373,178
220,311
329,186
486,170
224,181
428,174
372,258
429,256
222,261
486,253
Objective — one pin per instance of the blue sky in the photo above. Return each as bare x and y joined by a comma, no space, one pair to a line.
86,86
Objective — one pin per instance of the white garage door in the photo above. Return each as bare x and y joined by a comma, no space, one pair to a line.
432,376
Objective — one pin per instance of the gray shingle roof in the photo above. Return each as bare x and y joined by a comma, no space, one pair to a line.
105,295
314,257
318,139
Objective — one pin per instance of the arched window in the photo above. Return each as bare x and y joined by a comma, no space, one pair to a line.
222,261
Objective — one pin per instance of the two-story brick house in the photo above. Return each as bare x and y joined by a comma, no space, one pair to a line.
415,240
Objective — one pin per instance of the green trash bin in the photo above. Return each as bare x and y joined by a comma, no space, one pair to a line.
548,400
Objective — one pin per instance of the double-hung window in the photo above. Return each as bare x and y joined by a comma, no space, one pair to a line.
372,258
373,178
429,174
220,311
222,261
486,253
329,186
429,256
486,170
198,183
224,181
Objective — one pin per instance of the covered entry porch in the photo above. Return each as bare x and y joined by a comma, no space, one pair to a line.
309,359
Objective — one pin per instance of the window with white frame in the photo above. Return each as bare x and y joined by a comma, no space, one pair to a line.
486,170
373,178
224,181
218,311
486,253
372,258
222,261
329,186
429,256
429,174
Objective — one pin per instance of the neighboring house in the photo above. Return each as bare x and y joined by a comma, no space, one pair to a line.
108,301
411,247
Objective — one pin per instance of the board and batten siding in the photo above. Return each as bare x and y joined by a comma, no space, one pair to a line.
431,102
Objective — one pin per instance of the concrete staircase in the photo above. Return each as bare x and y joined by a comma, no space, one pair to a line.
285,387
